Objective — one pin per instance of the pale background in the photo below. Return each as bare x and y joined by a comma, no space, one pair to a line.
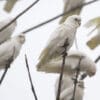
16,85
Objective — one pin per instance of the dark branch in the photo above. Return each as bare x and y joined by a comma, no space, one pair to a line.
56,17
97,59
32,87
62,68
19,15
76,79
97,26
9,61
4,74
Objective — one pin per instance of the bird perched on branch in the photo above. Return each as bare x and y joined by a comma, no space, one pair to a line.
95,40
67,88
71,63
9,5
70,4
6,33
10,48
55,47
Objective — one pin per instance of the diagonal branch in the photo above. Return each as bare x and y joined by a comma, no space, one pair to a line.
9,61
76,79
97,26
62,68
32,87
97,59
19,15
4,74
56,17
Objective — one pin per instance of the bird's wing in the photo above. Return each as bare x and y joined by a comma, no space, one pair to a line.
9,5
56,40
67,93
6,50
6,33
93,22
94,41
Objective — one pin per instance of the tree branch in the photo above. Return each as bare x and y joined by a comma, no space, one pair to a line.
76,79
19,15
56,17
97,59
9,61
32,87
62,68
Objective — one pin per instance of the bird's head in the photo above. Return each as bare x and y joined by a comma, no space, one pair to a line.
21,38
74,20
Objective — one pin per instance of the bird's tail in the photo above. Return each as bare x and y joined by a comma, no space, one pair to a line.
93,43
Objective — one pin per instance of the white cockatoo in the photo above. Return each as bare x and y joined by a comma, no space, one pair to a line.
10,48
67,88
9,5
71,63
6,33
95,40
70,4
55,48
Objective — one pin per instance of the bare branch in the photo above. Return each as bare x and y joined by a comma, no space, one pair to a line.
97,26
4,74
62,68
76,79
32,87
19,15
9,61
56,17
97,59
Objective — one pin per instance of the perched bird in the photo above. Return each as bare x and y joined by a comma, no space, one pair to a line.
6,33
67,89
95,40
70,4
71,64
55,48
9,5
10,48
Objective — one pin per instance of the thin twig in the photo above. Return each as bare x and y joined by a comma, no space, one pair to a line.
9,61
94,29
62,68
4,74
19,15
97,59
76,79
56,17
32,87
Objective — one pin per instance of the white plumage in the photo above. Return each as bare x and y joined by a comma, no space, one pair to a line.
71,63
10,48
70,4
55,48
6,33
67,88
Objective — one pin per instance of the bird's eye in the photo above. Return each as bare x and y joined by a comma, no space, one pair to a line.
76,19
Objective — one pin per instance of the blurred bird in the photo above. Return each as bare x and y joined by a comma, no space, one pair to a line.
67,89
9,47
55,47
9,5
70,4
71,63
95,40
6,34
